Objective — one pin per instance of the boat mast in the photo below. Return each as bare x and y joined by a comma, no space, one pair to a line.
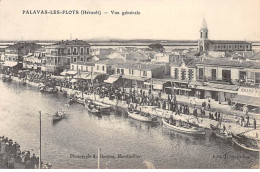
40,149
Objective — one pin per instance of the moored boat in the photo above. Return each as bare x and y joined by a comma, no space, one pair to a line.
93,110
184,127
246,143
48,89
145,117
79,100
220,133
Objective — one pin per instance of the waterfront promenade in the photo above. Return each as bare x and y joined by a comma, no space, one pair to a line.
228,118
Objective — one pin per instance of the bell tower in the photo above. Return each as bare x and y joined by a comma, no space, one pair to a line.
204,42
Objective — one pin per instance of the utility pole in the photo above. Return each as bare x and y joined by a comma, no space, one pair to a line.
40,149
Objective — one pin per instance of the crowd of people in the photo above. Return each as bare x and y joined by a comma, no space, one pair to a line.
10,154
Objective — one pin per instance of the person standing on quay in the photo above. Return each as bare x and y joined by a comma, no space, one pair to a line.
254,124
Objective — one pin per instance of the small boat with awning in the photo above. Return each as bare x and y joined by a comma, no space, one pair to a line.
183,127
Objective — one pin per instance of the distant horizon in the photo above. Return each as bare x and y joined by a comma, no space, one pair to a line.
118,39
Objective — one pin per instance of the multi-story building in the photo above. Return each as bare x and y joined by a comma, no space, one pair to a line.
34,60
221,79
135,74
77,50
55,59
17,51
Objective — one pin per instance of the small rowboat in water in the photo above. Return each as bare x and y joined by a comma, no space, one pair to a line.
220,133
80,100
144,118
246,142
93,110
185,127
58,116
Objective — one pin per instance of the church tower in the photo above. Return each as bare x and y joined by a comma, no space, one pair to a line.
203,42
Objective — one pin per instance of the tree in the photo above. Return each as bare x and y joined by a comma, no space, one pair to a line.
156,47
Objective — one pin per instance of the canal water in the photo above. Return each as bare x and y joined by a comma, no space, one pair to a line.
147,145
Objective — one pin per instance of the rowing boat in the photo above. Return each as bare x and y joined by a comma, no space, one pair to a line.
80,100
185,128
220,133
58,116
246,142
144,118
93,111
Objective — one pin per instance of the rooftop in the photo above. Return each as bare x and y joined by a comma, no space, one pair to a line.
73,42
231,63
229,42
139,66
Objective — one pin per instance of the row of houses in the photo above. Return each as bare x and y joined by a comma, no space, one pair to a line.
183,72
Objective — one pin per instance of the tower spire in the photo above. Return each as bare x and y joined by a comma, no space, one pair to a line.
204,24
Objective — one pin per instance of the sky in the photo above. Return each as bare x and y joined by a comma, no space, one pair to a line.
158,19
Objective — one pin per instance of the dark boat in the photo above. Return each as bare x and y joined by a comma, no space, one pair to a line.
58,116
220,133
184,127
246,143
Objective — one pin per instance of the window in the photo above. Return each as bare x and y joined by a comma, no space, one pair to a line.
176,73
122,71
144,73
72,66
68,51
242,75
91,69
190,74
81,59
75,59
200,34
81,51
87,50
213,74
257,78
56,60
201,73
226,75
97,67
75,51
118,71
130,72
103,68
183,74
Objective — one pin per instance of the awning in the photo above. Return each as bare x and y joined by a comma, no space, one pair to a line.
253,101
73,80
82,75
179,88
72,72
112,79
135,78
93,76
216,89
10,63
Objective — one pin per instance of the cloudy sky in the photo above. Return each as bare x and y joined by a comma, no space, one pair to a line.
159,19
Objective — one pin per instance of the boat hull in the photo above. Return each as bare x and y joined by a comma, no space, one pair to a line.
235,141
216,132
200,131
140,118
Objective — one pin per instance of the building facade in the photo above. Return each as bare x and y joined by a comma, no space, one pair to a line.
205,45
